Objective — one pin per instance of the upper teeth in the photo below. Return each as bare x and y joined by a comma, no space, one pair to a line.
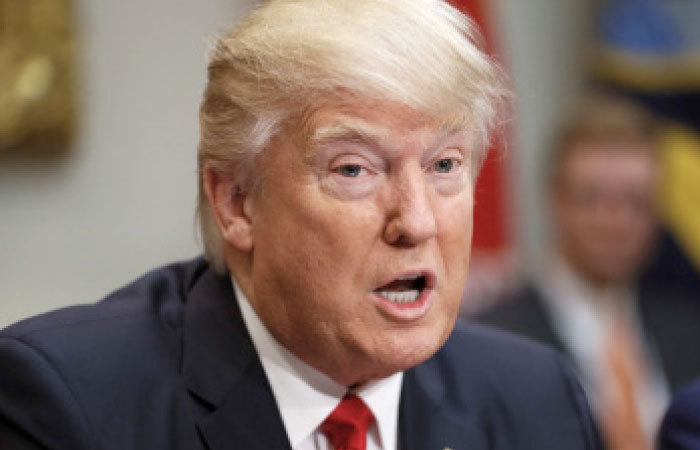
407,278
401,297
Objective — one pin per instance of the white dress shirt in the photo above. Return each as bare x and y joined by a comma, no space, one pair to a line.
582,316
305,396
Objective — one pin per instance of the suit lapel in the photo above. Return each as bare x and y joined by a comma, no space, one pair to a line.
222,369
540,322
248,417
427,422
670,319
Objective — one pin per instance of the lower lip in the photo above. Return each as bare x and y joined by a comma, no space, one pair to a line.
405,311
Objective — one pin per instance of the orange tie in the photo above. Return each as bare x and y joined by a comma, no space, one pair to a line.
622,427
346,427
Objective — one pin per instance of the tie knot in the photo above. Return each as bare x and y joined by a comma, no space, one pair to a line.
346,427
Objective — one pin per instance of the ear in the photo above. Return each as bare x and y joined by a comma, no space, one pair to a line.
232,208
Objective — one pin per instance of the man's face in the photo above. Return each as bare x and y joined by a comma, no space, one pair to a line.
604,211
361,239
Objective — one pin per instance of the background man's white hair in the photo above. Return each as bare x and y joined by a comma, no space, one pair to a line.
289,56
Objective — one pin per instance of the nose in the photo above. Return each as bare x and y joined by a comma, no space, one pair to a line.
411,219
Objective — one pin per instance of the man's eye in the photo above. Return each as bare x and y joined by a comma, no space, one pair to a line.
349,170
444,165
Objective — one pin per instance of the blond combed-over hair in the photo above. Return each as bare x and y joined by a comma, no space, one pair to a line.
289,56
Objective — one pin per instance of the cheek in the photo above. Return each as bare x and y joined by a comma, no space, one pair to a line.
341,234
638,238
322,243
455,237
455,219
293,256
578,223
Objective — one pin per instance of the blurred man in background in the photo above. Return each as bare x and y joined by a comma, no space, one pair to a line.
629,341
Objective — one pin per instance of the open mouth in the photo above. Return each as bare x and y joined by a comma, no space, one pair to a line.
403,290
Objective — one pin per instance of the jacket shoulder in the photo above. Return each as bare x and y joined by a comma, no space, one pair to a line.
72,370
159,293
136,327
515,392
500,360
523,313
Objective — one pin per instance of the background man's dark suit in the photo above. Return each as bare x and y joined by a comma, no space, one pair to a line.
166,363
670,322
681,426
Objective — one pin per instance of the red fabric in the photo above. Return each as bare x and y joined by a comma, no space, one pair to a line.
491,232
346,427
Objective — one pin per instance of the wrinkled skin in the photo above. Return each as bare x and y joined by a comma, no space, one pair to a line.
370,192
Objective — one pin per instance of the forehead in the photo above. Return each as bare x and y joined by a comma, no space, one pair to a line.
620,163
383,123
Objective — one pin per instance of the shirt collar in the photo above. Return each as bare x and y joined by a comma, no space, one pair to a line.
583,321
305,396
579,316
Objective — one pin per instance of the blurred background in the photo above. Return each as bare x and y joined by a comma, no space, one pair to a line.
112,193
98,137
79,221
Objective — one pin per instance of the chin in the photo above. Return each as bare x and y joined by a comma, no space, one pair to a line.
405,350
383,368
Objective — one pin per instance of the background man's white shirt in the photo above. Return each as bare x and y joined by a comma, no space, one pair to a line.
582,317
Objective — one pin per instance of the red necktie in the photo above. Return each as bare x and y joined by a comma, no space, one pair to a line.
346,427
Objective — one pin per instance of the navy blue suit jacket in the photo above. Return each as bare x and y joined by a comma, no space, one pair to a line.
166,363
681,426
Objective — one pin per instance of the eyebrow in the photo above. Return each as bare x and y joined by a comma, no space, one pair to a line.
359,132
355,132
350,131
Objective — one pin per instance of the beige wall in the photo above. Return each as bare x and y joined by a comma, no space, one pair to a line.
122,202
